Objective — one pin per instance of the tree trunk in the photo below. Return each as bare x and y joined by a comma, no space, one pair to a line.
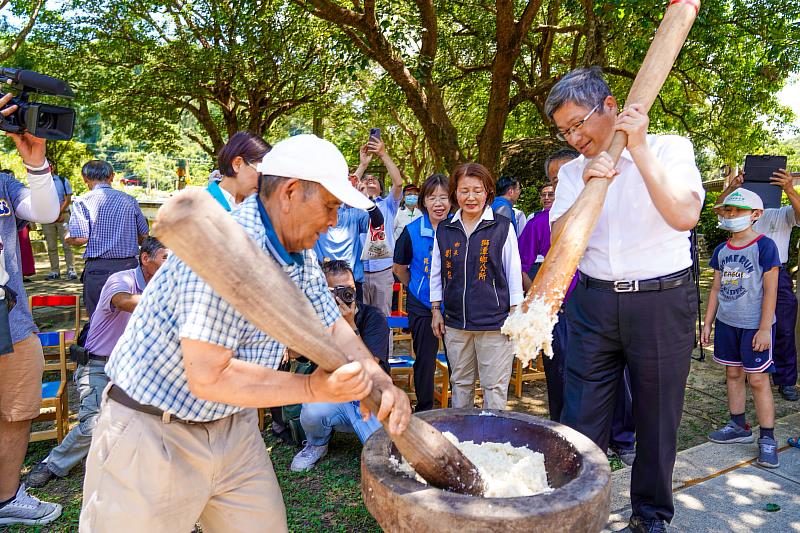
508,38
318,125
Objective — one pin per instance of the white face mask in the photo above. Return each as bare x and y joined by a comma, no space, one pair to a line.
735,224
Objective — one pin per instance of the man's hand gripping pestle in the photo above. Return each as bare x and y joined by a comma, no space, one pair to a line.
199,231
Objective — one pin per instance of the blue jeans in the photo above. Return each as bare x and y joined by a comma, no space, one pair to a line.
320,419
90,379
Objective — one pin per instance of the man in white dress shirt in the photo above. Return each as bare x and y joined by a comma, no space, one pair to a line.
635,302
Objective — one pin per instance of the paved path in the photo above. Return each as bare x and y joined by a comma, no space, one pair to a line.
718,488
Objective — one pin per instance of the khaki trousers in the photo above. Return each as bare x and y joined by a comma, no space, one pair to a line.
144,475
21,380
378,290
484,354
53,233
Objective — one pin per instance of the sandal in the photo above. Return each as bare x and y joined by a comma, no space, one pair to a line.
794,441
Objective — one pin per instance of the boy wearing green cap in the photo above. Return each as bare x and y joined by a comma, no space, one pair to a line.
742,299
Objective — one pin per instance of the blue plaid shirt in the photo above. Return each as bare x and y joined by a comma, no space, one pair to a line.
112,221
147,362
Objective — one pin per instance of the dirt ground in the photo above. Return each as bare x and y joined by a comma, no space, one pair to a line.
328,498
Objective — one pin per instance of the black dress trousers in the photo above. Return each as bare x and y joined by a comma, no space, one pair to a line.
653,332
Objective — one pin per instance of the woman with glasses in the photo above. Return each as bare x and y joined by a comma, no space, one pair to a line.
475,272
237,162
412,266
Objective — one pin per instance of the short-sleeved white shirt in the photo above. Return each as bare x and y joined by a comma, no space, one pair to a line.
632,241
777,224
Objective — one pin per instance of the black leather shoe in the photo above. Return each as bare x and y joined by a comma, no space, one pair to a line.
638,524
789,393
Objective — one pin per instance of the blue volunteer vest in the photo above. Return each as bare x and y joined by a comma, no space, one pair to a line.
421,234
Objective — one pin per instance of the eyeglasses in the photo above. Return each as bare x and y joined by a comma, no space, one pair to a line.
547,195
467,194
562,135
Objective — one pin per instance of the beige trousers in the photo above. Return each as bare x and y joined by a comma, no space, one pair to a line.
53,234
484,354
143,475
21,380
378,290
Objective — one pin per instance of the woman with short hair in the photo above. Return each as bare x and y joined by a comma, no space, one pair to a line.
237,162
475,272
412,266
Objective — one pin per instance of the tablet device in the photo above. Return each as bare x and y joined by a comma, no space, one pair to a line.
758,169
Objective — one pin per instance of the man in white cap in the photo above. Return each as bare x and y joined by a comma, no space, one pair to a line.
175,443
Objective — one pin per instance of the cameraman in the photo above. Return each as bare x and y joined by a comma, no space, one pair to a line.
21,359
118,299
320,419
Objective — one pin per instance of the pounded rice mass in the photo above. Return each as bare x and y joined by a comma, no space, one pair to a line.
532,331
507,470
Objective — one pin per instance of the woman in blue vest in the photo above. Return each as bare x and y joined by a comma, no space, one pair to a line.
476,273
237,162
412,266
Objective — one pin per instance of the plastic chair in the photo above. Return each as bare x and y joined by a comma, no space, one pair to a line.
55,401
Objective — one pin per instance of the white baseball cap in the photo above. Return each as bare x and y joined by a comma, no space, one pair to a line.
743,199
309,158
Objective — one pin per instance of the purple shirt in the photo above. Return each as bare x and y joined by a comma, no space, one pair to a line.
535,241
108,322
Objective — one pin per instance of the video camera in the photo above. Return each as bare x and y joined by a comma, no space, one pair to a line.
41,120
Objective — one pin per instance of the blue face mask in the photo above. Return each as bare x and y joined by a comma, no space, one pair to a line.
735,225
411,200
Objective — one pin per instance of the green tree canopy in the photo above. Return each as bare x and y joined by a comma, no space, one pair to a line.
230,65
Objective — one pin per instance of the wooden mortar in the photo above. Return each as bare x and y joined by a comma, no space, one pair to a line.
576,468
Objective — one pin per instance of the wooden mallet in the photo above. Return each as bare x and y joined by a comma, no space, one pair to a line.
199,231
555,274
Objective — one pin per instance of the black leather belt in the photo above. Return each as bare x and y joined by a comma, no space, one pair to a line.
119,396
662,283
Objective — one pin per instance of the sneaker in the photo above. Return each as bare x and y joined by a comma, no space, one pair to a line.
638,524
53,275
732,433
28,510
767,453
39,475
71,274
789,393
308,457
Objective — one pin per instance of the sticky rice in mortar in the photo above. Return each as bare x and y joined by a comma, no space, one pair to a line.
507,470
532,331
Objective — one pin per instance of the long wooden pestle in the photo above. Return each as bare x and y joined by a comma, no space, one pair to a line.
199,231
555,275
